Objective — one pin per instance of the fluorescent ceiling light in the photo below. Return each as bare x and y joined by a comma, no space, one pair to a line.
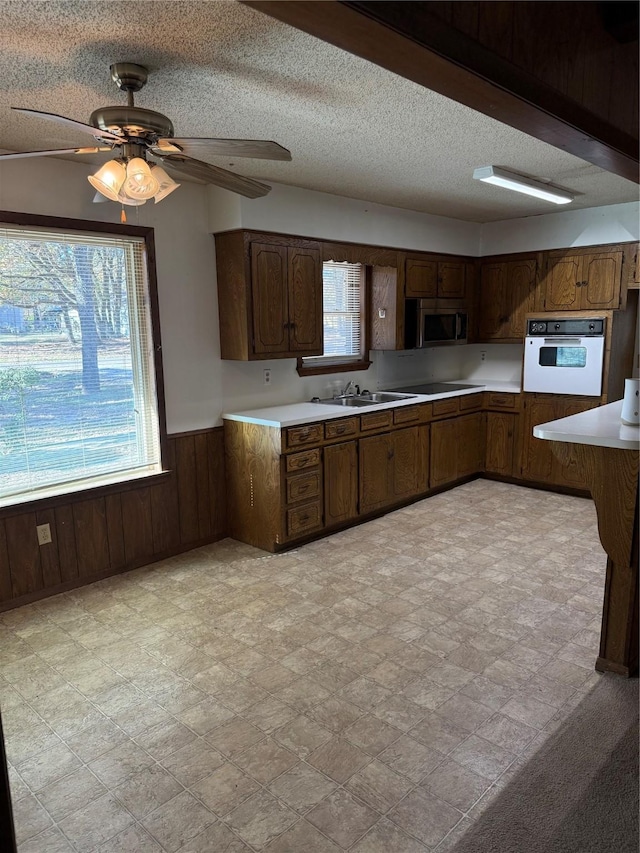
511,181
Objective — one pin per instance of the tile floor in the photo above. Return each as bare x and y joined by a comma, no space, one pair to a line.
371,692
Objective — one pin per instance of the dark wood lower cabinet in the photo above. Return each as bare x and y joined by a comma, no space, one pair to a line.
393,467
539,463
457,448
340,482
500,444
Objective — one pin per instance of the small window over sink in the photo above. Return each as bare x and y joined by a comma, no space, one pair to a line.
344,321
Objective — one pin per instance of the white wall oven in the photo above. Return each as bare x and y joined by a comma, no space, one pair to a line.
564,356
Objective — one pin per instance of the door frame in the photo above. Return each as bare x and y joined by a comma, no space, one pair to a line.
7,828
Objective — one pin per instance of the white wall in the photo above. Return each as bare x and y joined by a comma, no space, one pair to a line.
199,386
186,273
590,227
291,210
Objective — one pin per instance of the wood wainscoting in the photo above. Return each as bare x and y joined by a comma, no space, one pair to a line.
114,530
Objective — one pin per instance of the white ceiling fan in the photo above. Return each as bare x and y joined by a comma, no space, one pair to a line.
135,133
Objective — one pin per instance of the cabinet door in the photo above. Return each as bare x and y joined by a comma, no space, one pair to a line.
537,458
305,301
341,482
375,455
561,291
539,462
420,278
410,452
443,452
495,303
269,298
470,444
451,279
500,443
603,276
521,277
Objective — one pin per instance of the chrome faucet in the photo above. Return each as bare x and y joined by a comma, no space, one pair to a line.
350,389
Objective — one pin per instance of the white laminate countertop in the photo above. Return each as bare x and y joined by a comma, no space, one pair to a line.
601,427
293,414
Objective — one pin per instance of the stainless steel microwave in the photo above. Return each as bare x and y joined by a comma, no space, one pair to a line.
426,326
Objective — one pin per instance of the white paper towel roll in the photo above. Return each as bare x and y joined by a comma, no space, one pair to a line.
631,402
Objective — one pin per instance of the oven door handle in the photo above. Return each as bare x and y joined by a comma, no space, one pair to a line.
564,341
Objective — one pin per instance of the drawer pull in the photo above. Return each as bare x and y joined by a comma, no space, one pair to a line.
340,430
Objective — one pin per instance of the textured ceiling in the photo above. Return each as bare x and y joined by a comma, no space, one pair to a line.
221,69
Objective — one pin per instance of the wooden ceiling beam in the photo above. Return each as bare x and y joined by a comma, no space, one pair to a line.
408,40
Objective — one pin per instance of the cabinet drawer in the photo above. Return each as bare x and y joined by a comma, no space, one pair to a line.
376,420
311,434
406,415
308,459
470,403
500,401
445,407
304,519
345,426
302,486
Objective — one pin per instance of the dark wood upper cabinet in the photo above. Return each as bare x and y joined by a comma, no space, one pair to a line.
507,294
420,278
434,278
584,280
269,296
452,280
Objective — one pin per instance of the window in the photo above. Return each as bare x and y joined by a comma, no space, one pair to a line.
78,401
343,320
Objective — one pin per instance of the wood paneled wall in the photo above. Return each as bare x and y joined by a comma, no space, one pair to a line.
119,530
563,44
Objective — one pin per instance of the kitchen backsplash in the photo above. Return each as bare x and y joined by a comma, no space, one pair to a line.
244,387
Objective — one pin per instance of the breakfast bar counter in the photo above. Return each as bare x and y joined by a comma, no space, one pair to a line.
607,451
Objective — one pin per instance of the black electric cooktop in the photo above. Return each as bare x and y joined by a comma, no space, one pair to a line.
435,388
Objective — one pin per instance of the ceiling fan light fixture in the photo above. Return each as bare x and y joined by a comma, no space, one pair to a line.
109,179
166,183
140,183
512,181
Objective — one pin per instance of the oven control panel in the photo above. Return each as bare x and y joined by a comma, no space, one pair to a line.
559,326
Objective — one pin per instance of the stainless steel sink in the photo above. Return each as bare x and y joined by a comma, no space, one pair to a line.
384,396
351,400
369,398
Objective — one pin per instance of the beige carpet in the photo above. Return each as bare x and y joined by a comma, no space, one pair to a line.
579,792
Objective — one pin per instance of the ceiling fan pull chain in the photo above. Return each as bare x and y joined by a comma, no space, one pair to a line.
123,215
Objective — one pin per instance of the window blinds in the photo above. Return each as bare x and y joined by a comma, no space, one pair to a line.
78,401
343,293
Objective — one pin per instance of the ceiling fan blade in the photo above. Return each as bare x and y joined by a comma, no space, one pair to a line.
69,122
18,154
214,175
257,148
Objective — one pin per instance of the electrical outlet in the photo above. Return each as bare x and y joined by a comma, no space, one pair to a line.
44,533
483,355
267,376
